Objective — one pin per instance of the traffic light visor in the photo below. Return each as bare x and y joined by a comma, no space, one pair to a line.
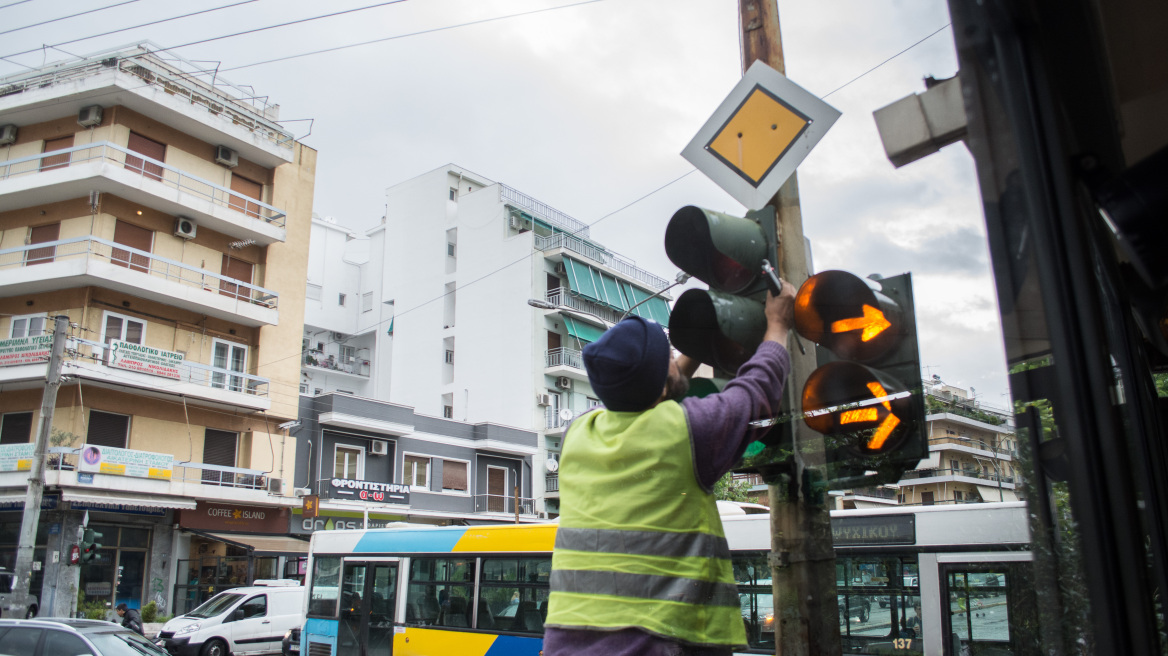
869,410
840,312
723,251
717,329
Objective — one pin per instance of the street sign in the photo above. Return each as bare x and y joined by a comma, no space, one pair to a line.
759,134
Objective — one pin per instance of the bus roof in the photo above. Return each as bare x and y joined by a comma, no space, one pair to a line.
437,539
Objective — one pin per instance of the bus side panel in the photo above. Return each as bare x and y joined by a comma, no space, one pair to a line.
318,631
931,595
430,642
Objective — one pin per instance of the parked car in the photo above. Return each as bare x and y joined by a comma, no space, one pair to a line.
291,645
62,636
19,605
240,621
857,606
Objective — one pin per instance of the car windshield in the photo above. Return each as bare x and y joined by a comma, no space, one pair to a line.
215,605
123,643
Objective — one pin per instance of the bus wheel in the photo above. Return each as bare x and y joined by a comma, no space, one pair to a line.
214,647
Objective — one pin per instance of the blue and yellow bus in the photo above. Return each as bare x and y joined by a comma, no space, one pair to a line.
482,590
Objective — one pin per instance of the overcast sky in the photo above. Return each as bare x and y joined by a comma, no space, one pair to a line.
586,107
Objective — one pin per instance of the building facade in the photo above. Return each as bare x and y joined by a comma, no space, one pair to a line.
165,212
473,304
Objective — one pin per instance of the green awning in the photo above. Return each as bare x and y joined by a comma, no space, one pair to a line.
595,285
580,279
585,332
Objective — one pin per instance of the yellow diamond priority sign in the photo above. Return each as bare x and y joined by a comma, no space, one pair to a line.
759,134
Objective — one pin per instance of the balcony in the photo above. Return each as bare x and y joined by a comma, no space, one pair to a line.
81,261
590,251
972,446
188,96
562,299
522,201
199,382
74,172
919,475
499,503
314,359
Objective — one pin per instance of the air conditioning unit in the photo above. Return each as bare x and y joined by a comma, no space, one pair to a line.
184,227
338,337
89,116
518,222
543,399
275,485
564,383
302,491
561,269
7,134
226,157
379,448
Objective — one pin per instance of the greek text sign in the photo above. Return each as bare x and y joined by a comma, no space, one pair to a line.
25,350
884,529
370,491
125,462
16,457
145,359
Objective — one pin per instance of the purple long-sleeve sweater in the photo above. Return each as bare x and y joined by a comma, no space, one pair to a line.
719,428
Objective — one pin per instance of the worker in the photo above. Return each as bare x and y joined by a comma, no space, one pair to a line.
641,564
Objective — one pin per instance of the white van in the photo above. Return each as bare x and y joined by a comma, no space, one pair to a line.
240,621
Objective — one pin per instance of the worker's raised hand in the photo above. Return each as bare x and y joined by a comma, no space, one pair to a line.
780,313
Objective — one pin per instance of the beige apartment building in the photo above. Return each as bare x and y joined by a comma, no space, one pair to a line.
166,213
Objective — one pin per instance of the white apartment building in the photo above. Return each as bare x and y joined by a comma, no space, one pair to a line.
445,309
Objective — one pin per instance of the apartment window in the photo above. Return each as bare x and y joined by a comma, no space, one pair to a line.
448,412
304,388
348,357
121,327
219,449
449,250
416,472
16,428
228,356
108,429
147,148
56,161
245,191
27,326
141,240
367,302
42,234
454,476
449,356
235,269
349,462
957,495
453,194
592,403
312,292
318,391
954,465
341,300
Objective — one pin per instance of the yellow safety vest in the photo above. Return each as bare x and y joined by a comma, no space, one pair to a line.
640,543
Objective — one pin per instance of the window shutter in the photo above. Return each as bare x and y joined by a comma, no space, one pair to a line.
106,429
17,428
219,447
454,475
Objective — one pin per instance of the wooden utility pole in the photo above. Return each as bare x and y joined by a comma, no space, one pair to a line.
802,561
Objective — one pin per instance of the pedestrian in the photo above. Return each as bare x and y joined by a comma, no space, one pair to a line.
641,564
131,619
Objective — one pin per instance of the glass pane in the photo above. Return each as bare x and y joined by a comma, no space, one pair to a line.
113,328
326,577
135,537
219,359
134,331
18,328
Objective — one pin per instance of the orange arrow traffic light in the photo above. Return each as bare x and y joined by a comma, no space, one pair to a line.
845,315
860,406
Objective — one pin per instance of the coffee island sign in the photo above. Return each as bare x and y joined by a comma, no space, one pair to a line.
145,359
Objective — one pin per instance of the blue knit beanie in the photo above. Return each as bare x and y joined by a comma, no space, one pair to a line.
628,365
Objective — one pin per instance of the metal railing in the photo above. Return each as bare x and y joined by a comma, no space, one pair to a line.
198,85
498,503
550,214
147,168
596,254
561,296
189,372
872,492
564,357
135,260
314,358
64,458
968,473
974,444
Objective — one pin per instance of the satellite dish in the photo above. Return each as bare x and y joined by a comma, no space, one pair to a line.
552,465
565,414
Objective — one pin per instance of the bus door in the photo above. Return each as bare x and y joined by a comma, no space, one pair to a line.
987,609
368,599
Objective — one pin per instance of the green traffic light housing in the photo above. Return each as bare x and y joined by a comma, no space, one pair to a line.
90,545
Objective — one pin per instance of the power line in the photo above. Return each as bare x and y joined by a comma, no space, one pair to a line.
402,36
54,20
132,27
13,4
935,33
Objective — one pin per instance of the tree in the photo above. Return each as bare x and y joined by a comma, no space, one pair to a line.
729,489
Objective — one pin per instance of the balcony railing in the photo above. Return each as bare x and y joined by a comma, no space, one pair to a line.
189,372
872,492
559,296
498,503
214,93
974,444
133,259
592,252
147,168
564,357
550,214
319,360
968,473
63,458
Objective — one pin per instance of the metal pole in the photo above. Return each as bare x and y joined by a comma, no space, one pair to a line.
803,562
36,476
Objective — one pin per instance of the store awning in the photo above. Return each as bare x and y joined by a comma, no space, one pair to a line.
263,544
595,285
991,493
583,331
129,499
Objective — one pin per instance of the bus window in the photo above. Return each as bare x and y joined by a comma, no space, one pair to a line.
514,594
979,611
326,579
440,591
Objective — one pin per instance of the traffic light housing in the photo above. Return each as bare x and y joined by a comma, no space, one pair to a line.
866,397
90,545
